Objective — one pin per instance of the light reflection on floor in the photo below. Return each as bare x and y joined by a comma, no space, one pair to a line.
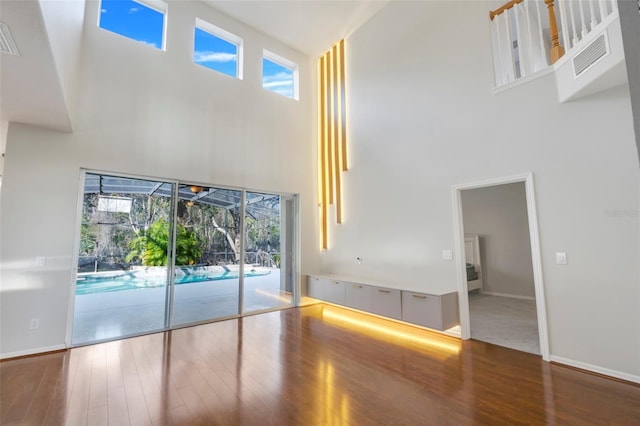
390,331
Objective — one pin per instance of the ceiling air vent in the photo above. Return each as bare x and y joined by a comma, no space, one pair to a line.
7,43
596,50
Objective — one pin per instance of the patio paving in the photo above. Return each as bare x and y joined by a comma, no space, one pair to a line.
109,315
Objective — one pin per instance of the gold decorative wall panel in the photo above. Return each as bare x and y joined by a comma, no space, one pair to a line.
332,136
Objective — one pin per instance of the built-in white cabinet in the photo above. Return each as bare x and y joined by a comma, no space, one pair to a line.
436,311
386,302
358,296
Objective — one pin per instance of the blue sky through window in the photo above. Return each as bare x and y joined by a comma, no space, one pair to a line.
277,78
215,53
133,20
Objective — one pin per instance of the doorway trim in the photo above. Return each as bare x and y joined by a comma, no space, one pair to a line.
458,230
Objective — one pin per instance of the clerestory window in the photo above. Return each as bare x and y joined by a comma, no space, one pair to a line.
217,49
141,20
279,75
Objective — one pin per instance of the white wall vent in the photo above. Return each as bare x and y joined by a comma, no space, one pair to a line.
7,43
587,57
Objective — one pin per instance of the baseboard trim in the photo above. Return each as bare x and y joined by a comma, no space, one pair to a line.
36,351
453,332
598,370
512,296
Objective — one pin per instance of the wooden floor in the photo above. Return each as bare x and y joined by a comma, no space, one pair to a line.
305,366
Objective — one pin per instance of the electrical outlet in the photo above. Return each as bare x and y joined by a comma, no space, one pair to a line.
40,261
561,258
34,324
447,255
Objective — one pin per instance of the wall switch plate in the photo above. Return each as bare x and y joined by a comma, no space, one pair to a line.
40,261
447,255
561,258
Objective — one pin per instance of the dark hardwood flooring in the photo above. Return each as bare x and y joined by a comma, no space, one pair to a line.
304,366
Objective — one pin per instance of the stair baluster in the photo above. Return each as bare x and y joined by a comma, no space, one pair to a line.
556,50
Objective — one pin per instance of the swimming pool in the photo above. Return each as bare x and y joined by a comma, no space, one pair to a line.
126,280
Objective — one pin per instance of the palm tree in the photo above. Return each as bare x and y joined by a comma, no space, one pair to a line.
152,245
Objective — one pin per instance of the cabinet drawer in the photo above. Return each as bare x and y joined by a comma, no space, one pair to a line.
358,296
315,288
386,302
334,292
422,309
437,312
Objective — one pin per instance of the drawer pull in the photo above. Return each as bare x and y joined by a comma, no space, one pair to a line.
336,282
384,291
417,296
357,286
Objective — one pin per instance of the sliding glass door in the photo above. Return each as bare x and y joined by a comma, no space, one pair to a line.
207,272
155,254
125,241
265,279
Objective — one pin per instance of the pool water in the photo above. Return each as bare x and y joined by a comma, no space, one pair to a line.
129,281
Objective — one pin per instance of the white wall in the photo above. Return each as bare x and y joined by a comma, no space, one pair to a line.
422,119
145,112
498,215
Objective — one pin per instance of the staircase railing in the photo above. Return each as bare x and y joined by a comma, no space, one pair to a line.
581,17
527,36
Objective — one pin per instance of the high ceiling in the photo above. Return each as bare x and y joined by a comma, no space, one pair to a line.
34,86
310,26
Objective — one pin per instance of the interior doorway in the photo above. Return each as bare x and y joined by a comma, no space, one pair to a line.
504,305
502,296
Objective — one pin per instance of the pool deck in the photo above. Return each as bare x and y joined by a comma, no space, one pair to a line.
108,315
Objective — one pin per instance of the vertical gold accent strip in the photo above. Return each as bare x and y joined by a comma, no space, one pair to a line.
329,138
320,132
327,147
336,140
322,154
339,90
343,109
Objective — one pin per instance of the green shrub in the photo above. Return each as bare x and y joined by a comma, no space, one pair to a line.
151,246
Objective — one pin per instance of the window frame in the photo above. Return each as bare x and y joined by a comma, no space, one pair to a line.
224,35
286,63
159,6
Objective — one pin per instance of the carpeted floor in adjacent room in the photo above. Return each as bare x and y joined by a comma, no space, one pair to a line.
504,321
